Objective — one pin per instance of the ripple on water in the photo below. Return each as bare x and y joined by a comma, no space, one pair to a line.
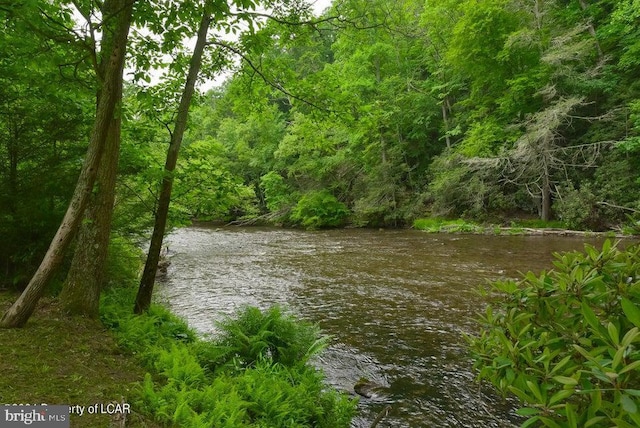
395,302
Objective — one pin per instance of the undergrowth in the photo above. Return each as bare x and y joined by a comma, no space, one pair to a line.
438,225
255,374
567,342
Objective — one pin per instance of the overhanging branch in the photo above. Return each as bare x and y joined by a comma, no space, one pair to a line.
259,72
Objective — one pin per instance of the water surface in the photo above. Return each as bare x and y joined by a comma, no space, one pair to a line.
396,303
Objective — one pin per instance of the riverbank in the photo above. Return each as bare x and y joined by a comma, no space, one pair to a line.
56,359
255,374
537,227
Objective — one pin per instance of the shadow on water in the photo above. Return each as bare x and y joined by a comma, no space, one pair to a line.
396,303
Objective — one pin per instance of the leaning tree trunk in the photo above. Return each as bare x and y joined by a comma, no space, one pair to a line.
82,288
145,291
21,310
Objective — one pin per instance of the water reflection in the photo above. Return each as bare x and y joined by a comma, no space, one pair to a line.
396,303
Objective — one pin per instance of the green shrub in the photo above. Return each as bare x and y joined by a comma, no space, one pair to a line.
256,374
319,209
281,396
147,334
124,262
277,194
567,342
458,189
252,335
179,366
578,208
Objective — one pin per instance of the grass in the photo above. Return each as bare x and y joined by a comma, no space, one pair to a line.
440,225
55,359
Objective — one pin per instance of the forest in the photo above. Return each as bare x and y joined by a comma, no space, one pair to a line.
122,119
371,115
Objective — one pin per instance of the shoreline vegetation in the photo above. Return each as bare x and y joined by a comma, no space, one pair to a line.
564,341
256,372
523,227
459,226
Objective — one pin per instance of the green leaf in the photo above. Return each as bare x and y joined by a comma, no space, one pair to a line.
593,421
527,411
630,337
572,419
628,404
565,380
591,317
550,423
535,389
560,396
596,401
521,394
530,422
613,334
633,366
620,423
631,311
563,362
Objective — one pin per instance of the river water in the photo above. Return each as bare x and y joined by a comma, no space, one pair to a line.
396,303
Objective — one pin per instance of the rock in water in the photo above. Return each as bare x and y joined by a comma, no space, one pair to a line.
367,388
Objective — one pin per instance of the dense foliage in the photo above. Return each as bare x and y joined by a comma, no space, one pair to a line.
484,109
44,109
566,342
254,373
375,115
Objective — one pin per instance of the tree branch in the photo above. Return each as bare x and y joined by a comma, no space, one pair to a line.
619,207
259,72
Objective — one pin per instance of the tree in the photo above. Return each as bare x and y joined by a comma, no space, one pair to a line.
541,150
81,292
537,155
22,309
145,291
43,116
292,11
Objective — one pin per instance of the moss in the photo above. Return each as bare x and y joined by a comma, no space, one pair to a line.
57,359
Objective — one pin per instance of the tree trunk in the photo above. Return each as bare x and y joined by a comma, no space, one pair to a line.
445,120
21,310
545,212
81,292
145,291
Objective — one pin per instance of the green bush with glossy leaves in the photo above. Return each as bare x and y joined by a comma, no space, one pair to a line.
567,342
319,209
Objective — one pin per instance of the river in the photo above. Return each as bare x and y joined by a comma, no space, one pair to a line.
396,303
